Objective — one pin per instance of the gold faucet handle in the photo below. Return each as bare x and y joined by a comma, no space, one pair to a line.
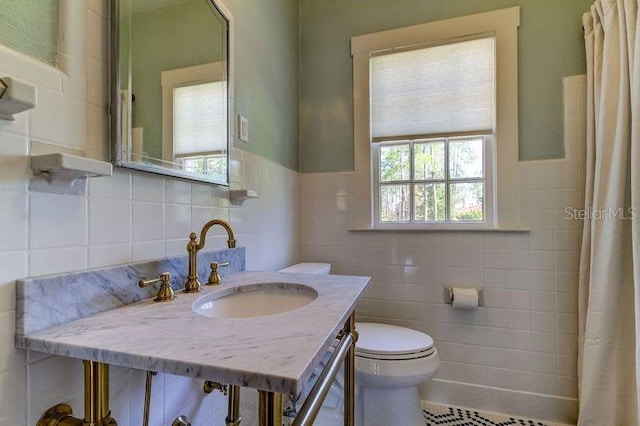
165,293
214,277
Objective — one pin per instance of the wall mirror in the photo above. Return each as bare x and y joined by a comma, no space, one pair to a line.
170,87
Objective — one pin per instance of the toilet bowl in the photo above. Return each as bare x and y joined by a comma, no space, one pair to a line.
391,363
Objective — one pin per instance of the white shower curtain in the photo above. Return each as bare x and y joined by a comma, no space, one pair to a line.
609,298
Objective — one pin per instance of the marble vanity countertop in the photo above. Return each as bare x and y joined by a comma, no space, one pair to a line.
275,352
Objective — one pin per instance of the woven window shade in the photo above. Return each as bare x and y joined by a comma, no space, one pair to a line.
443,89
199,118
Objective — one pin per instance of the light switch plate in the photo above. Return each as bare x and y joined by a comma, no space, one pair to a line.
243,128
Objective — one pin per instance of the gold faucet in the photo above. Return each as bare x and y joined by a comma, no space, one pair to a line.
193,283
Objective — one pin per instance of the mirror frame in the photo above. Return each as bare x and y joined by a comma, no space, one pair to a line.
115,110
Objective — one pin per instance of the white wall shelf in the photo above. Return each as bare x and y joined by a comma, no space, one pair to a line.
239,196
65,174
15,97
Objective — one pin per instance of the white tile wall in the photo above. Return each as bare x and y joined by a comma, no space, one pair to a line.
525,338
127,217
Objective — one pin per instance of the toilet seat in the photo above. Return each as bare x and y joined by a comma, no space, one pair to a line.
390,342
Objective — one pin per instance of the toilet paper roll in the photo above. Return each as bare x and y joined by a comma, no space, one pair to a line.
465,298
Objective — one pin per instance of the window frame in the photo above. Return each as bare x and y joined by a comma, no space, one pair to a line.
503,157
487,179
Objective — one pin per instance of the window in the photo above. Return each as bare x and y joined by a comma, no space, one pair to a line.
446,89
432,181
435,124
194,119
199,127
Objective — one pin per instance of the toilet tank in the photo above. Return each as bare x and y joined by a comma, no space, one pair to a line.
308,268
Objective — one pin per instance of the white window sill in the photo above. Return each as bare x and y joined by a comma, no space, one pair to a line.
441,229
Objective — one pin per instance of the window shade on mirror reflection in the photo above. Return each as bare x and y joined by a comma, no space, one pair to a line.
200,118
442,89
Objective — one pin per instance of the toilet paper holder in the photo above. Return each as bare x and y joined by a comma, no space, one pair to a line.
448,295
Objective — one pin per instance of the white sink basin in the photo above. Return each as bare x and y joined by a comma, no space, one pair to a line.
254,300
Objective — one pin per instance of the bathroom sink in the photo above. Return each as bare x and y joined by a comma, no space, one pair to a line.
254,300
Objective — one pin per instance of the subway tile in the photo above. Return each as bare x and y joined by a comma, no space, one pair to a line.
543,322
101,256
497,377
567,303
542,260
519,339
201,195
13,404
520,360
540,178
148,221
568,365
14,266
10,357
567,344
541,240
518,241
544,363
543,342
96,37
97,83
148,250
543,301
57,220
177,191
45,377
545,384
566,281
109,221
495,278
539,219
57,260
542,280
495,298
520,300
55,108
97,146
519,280
15,167
116,186
567,261
517,259
178,221
496,337
495,258
519,320
568,386
541,198
497,318
13,217
148,188
521,380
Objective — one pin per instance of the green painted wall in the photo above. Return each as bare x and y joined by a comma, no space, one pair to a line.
266,80
30,27
165,39
550,46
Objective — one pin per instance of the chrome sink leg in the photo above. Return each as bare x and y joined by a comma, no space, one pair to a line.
350,373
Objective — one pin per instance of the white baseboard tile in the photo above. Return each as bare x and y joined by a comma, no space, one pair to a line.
523,404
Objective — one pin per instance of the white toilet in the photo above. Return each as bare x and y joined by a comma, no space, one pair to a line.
391,363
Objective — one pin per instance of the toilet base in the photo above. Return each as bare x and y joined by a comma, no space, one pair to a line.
390,406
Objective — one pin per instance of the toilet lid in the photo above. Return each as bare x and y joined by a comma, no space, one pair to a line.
384,341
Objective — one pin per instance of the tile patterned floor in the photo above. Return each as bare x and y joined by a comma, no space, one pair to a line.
455,416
